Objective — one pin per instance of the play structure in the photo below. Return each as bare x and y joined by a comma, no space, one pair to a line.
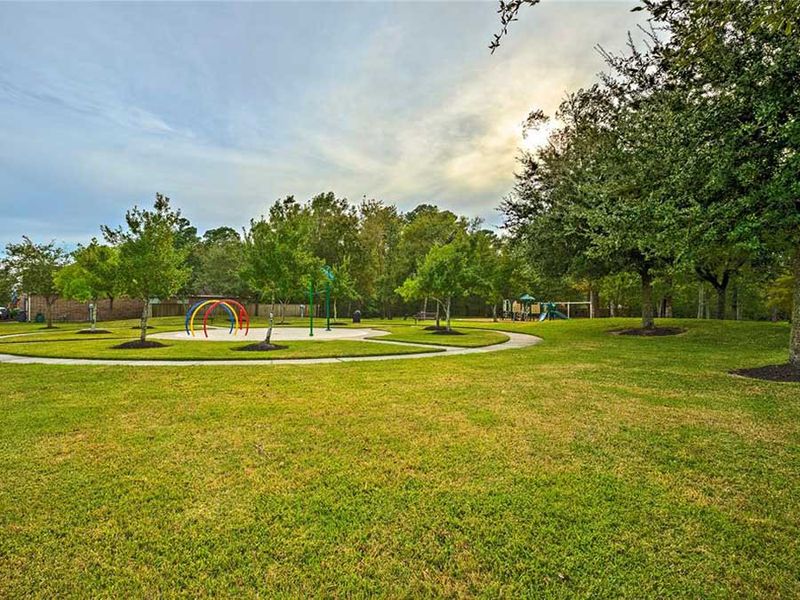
329,277
237,314
549,312
527,308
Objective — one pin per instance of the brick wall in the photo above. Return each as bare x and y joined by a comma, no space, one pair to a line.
70,310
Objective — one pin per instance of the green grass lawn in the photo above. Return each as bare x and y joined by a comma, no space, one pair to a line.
590,465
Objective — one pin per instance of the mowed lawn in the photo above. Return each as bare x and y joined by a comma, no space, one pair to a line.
590,465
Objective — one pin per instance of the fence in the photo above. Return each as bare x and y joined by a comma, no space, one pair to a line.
71,310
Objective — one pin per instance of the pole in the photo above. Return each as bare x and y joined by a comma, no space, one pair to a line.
328,306
311,309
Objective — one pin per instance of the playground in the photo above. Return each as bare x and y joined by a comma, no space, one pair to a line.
218,341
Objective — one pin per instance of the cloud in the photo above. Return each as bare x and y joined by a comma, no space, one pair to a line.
228,107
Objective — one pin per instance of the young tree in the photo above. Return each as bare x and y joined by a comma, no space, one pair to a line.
34,266
94,274
444,274
278,258
151,265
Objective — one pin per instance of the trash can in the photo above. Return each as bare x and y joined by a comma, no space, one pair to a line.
357,316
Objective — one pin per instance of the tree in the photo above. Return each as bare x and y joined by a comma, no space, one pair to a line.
7,284
151,263
94,274
443,275
219,260
585,205
374,272
738,62
734,66
278,258
34,266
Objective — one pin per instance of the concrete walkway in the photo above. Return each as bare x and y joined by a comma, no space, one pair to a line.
515,341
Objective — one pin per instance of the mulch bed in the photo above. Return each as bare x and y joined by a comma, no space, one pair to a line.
655,332
784,372
434,328
138,344
445,332
93,332
139,328
260,347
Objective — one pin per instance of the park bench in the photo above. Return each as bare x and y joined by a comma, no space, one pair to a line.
423,316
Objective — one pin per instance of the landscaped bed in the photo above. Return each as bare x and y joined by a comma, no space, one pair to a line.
418,334
120,342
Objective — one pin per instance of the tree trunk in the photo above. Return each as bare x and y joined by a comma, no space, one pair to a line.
93,314
335,311
110,306
722,292
612,310
701,300
794,340
668,306
271,305
268,337
647,301
735,309
143,321
494,312
447,313
49,303
438,319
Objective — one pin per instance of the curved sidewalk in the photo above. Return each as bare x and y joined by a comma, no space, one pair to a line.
515,341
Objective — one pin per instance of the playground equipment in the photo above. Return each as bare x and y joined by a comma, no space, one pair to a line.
237,314
329,277
549,312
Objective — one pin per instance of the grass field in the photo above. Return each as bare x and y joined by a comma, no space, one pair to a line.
590,465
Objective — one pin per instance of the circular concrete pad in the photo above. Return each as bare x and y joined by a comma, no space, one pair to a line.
279,334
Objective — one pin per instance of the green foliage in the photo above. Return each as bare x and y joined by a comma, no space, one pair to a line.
779,294
151,262
34,267
72,282
219,262
279,262
7,284
374,271
445,273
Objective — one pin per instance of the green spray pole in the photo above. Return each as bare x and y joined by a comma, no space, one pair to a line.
311,308
328,306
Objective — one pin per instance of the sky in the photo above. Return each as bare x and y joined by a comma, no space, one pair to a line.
226,107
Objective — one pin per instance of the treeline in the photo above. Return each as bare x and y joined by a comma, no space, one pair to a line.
679,166
383,261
